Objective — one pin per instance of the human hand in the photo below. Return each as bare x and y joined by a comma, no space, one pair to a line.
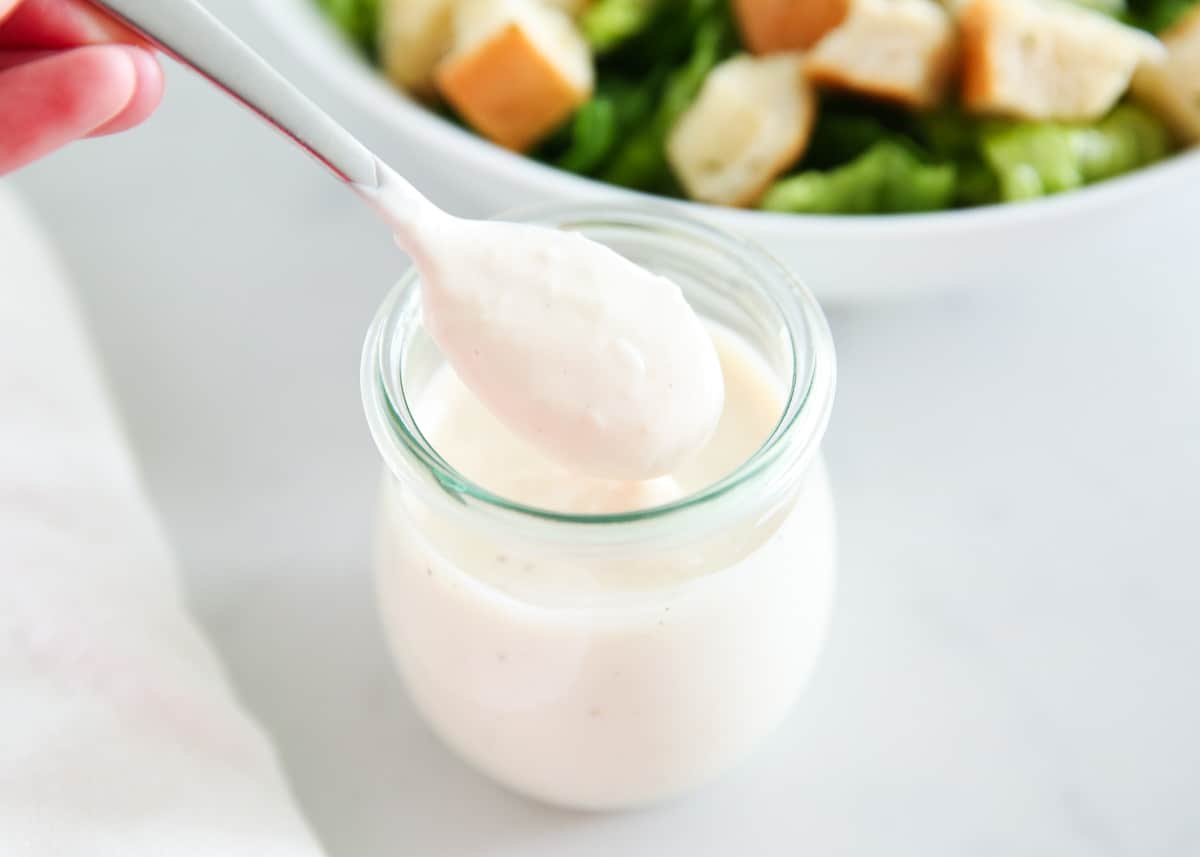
67,71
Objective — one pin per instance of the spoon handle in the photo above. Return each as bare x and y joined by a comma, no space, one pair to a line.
188,32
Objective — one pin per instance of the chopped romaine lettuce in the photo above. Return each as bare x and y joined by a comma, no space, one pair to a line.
848,125
358,19
601,124
1128,138
1157,15
664,40
842,137
888,178
952,136
609,23
641,162
593,131
1032,159
646,80
949,134
1112,8
976,183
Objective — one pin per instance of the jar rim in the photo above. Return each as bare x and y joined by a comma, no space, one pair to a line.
808,401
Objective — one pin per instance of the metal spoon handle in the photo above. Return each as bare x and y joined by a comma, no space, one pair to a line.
188,32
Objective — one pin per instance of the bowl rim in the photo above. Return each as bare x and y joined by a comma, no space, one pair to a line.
307,33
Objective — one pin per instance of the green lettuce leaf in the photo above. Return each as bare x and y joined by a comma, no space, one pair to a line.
841,137
1112,8
607,24
599,127
888,178
1157,15
1032,159
1127,138
358,19
641,161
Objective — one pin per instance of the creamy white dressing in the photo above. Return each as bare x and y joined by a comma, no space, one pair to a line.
592,677
479,446
595,361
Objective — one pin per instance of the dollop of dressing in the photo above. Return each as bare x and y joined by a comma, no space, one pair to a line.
484,450
598,363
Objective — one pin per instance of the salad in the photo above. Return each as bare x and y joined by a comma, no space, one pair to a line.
806,106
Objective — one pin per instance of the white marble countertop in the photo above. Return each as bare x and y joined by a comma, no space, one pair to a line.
1015,659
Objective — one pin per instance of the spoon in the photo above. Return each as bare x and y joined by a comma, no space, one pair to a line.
596,361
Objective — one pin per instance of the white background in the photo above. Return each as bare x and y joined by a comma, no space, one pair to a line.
1015,659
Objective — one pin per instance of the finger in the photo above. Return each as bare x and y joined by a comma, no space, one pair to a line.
50,102
58,24
9,59
147,94
149,91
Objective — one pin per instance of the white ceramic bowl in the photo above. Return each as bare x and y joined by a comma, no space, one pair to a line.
846,258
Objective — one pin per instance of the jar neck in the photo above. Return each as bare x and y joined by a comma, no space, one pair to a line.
740,278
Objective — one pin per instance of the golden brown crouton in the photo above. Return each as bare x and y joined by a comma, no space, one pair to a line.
898,50
1046,60
414,35
770,26
1172,85
518,69
751,121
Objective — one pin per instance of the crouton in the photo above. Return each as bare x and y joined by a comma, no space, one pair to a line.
771,26
751,121
898,50
1172,85
1047,60
414,35
518,68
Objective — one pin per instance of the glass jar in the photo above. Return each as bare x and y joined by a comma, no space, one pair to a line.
618,659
